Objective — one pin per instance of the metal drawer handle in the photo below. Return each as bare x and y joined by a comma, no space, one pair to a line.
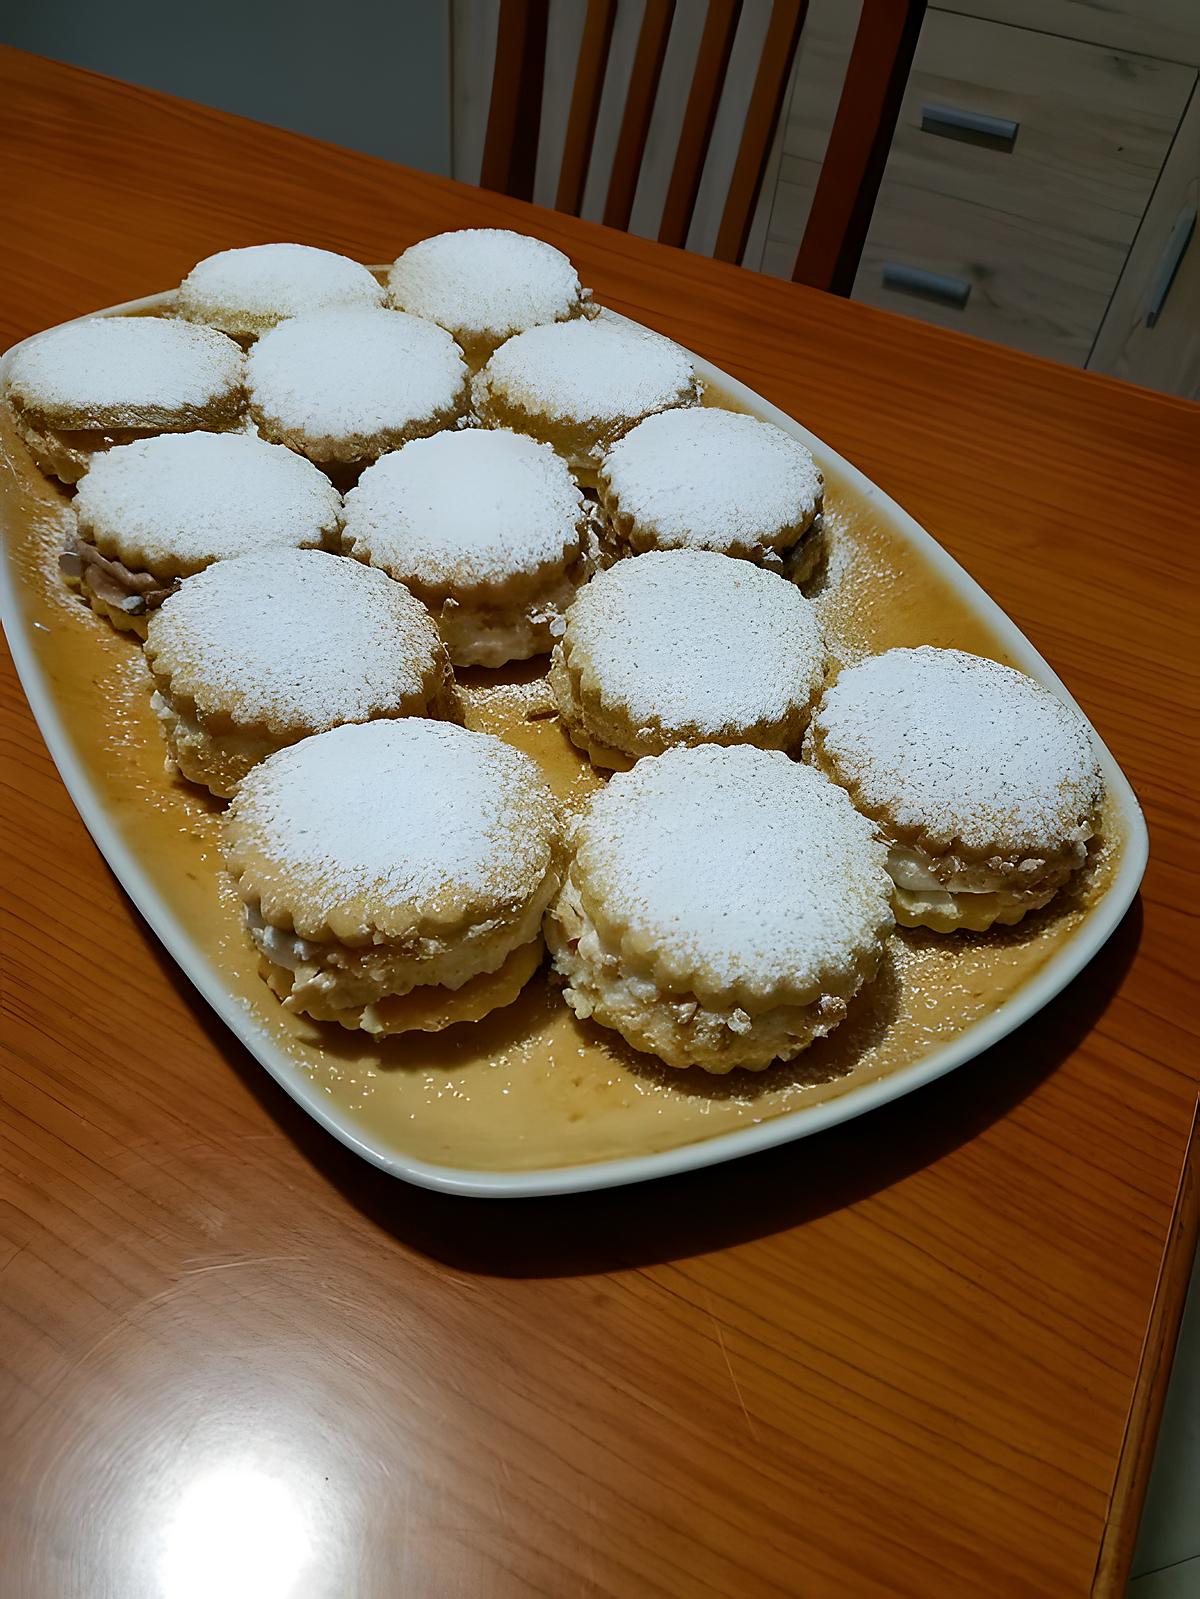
1178,240
926,285
973,127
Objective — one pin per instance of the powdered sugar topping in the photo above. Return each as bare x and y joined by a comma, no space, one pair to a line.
398,814
603,371
485,281
353,374
962,748
177,502
92,373
264,283
692,640
296,639
713,479
738,865
467,509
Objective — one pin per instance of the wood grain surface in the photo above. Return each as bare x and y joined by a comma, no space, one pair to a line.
919,1355
1166,352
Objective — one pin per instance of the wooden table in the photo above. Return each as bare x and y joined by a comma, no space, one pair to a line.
920,1355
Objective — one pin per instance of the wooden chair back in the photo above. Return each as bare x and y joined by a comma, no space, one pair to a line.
855,155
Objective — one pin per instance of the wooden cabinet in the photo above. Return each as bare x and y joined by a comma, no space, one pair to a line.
1151,332
1168,29
1021,167
1045,153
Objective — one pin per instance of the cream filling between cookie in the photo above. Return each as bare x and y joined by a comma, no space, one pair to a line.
66,453
199,753
982,897
82,565
796,561
483,636
350,978
677,1028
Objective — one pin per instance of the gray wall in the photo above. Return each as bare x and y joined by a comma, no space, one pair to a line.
371,74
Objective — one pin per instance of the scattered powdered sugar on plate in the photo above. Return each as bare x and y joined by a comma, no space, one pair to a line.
693,639
962,748
177,502
737,864
465,509
606,369
296,639
854,575
485,280
399,813
353,373
269,282
707,478
113,363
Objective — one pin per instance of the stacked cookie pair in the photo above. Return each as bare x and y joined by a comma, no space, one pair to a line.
697,631
79,390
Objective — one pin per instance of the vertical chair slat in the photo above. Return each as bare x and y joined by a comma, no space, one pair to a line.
857,152
712,63
585,104
515,115
639,108
762,119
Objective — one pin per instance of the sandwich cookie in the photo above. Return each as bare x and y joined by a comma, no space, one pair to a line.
245,292
686,647
580,385
485,284
80,389
343,387
487,528
722,908
262,651
161,509
985,786
395,874
714,480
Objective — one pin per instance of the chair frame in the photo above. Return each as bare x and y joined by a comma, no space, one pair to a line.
855,156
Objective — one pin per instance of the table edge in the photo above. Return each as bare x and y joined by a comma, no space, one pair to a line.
1136,1458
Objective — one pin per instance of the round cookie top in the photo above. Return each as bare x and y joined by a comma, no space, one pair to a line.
695,644
465,510
713,480
736,873
485,284
393,828
296,641
961,749
340,384
246,291
604,370
126,371
176,503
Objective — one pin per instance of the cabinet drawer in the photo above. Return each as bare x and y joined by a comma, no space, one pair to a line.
1166,28
1151,333
1021,167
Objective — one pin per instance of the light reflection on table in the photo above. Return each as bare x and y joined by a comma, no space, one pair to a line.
236,1530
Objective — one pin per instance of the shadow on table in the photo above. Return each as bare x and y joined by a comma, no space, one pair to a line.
720,1206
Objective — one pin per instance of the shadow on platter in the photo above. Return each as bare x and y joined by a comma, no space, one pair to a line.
716,1207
